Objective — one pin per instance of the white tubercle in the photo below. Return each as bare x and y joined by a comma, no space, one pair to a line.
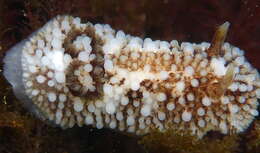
189,71
186,116
108,65
200,111
161,96
110,108
146,110
206,101
201,123
56,59
78,105
60,77
180,86
40,79
194,83
164,75
218,66
170,106
83,56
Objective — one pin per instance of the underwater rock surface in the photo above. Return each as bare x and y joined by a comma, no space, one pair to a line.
78,73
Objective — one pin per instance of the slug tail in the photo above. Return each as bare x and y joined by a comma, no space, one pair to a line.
13,74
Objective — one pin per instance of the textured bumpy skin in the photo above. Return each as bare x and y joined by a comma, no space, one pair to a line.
13,73
77,73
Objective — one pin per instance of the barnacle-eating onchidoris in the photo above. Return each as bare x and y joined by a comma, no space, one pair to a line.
75,73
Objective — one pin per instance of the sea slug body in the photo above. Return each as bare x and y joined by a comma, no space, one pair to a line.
76,73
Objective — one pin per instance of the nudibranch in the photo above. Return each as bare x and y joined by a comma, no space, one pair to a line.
73,73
